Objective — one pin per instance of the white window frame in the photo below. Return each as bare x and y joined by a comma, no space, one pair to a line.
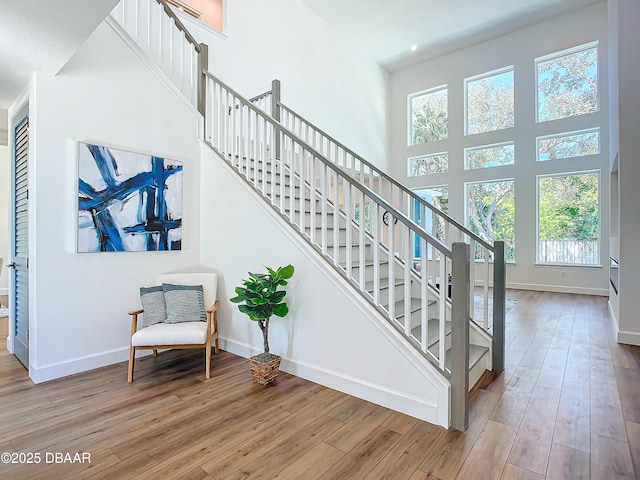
569,134
486,147
410,97
430,231
466,208
537,244
428,155
509,68
564,53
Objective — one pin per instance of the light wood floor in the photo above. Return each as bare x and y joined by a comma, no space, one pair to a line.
567,406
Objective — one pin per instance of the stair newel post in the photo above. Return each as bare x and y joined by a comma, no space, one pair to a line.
275,111
461,283
203,67
499,286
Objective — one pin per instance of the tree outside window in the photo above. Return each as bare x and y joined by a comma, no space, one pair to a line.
427,164
568,219
569,145
568,84
490,210
429,116
489,102
489,156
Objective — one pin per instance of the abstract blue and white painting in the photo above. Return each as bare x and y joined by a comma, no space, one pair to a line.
128,202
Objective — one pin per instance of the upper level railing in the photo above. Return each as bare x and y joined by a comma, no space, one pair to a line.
163,37
488,267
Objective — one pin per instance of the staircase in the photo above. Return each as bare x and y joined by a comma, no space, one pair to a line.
359,220
344,254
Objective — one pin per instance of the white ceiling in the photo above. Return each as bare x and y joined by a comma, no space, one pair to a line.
41,35
386,29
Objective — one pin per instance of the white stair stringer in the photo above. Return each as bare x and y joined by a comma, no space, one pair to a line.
344,343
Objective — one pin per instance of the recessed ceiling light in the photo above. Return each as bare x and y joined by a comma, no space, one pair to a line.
414,47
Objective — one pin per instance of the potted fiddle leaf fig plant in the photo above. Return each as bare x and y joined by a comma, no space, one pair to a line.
260,298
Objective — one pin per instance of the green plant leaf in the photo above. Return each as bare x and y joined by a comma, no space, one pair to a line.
280,310
286,273
276,297
259,298
263,312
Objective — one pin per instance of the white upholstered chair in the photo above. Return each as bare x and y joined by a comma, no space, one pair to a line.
184,334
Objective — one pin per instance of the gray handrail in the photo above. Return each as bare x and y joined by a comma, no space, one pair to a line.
393,181
180,25
435,242
260,97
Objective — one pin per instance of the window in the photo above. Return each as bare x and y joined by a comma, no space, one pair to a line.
428,116
490,213
489,156
568,145
568,218
427,164
568,83
489,102
439,198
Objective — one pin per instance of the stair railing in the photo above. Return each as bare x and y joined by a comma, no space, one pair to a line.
319,199
487,257
263,151
164,38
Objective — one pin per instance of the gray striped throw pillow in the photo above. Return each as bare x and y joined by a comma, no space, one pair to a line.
152,299
185,303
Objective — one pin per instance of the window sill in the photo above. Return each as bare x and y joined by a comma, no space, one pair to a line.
568,265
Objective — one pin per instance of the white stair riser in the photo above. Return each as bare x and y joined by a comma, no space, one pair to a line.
369,270
355,252
384,291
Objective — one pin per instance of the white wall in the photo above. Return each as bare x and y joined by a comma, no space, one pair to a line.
331,336
519,49
626,111
79,304
4,212
324,78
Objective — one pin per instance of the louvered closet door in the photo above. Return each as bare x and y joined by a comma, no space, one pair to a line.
20,244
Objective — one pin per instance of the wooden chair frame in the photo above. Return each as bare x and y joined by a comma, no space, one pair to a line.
212,321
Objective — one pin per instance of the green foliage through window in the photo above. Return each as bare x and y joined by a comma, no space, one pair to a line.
367,216
568,219
491,211
578,144
429,119
568,85
427,164
490,103
492,156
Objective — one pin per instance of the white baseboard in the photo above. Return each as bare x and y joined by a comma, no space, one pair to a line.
4,291
622,336
81,364
612,317
601,292
399,401
629,338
